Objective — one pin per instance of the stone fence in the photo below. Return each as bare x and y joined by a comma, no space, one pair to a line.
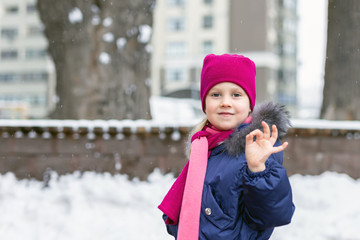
33,148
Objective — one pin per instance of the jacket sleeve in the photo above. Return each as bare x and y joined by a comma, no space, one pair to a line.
171,229
267,195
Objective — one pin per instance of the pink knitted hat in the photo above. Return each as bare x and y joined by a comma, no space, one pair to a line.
228,68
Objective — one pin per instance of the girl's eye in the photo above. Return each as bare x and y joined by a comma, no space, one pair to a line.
237,95
215,94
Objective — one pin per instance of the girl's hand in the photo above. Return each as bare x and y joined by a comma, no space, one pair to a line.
258,151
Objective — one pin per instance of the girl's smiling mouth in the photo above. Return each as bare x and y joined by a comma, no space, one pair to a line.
225,114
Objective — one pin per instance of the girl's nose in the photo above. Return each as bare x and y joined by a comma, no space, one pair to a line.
225,101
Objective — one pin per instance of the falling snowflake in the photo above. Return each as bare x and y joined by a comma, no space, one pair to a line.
145,33
108,37
95,20
120,43
176,136
107,21
104,58
75,16
94,8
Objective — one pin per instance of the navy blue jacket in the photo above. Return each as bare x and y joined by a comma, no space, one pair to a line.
239,204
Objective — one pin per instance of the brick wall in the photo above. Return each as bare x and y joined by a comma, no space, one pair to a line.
313,151
30,151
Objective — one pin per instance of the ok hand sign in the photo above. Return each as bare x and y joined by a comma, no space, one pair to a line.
260,145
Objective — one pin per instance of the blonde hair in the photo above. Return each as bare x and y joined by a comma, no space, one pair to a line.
198,127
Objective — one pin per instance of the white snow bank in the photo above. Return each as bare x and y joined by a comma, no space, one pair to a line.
325,124
327,207
94,206
101,206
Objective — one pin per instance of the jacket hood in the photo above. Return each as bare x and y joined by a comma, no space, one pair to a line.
271,113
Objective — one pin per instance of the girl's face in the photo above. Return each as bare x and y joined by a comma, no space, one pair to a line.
227,106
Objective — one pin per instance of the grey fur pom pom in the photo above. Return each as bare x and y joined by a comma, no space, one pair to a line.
271,113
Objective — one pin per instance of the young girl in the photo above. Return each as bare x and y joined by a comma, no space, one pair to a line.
234,185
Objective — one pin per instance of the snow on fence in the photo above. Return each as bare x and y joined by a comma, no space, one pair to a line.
30,148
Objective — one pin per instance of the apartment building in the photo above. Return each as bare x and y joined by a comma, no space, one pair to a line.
185,31
27,78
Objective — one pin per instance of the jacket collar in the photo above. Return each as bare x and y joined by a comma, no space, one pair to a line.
269,112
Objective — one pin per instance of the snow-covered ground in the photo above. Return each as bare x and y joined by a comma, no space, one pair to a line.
101,206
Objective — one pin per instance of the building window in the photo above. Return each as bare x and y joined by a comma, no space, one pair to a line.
176,24
176,49
35,54
208,21
12,9
10,98
287,49
208,2
10,77
35,76
290,26
208,47
31,8
34,31
9,54
290,4
285,98
175,75
36,100
176,3
9,33
21,77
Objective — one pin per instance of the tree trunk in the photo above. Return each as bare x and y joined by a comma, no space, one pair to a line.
341,96
99,48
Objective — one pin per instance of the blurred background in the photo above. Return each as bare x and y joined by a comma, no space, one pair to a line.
285,38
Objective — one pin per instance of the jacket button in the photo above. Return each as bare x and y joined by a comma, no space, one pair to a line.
208,211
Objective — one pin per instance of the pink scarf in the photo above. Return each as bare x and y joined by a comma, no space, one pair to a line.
183,200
